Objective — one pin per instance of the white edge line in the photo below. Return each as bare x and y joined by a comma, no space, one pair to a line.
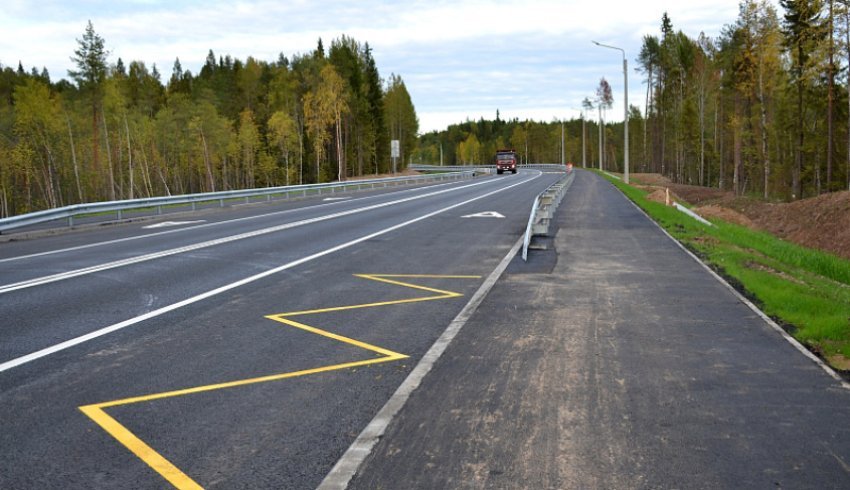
38,281
347,466
165,309
791,340
216,223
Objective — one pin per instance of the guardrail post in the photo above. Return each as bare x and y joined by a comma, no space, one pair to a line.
268,198
221,203
119,215
70,221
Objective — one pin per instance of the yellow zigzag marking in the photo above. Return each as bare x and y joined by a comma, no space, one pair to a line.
173,474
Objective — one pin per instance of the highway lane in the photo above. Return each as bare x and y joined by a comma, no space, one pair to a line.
330,370
22,260
158,283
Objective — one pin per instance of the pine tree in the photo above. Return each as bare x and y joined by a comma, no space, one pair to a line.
374,98
90,58
801,31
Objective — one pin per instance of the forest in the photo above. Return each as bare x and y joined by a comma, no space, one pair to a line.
761,110
123,131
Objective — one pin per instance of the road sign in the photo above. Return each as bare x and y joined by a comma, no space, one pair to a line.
395,147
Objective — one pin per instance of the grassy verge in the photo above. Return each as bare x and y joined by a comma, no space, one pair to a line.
807,291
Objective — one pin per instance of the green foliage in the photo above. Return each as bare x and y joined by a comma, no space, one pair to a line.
283,135
400,117
806,290
750,111
90,58
119,133
469,151
535,142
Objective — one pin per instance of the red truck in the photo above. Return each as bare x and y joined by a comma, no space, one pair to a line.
505,160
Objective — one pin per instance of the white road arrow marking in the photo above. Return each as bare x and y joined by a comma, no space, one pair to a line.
486,214
335,198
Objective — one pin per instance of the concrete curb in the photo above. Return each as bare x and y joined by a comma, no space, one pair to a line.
347,466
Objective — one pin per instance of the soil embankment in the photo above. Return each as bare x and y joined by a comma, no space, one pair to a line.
821,222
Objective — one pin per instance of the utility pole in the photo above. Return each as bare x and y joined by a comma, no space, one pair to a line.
583,137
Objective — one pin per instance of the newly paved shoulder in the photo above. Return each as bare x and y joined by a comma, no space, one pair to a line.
623,365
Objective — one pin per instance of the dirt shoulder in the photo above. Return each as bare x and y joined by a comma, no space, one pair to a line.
821,222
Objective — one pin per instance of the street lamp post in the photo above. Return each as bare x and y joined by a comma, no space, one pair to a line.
563,161
626,108
601,135
586,105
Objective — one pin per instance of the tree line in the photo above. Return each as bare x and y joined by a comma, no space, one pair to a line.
757,110
763,109
568,141
118,131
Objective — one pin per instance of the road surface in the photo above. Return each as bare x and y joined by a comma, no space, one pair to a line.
241,348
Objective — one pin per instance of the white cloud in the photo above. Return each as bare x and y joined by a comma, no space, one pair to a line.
458,58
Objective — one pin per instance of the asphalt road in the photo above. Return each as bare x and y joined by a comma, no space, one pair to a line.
244,350
614,360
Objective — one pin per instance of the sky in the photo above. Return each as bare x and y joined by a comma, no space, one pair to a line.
459,59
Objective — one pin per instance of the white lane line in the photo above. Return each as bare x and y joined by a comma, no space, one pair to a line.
194,299
169,224
348,464
217,223
38,281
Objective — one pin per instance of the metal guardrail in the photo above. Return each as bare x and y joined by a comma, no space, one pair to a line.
118,207
551,167
451,168
543,210
546,167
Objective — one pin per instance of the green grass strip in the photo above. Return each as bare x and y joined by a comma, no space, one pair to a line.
805,290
